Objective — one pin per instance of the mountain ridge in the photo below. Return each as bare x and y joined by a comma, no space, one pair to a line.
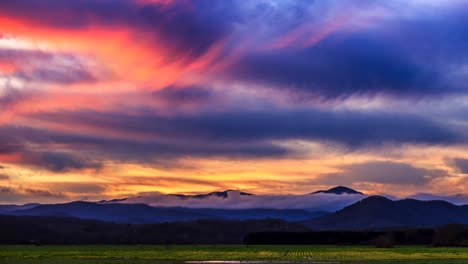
376,212
145,214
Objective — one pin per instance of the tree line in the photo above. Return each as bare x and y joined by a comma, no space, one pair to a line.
447,235
61,230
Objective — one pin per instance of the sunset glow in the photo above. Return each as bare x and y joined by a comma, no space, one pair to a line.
112,98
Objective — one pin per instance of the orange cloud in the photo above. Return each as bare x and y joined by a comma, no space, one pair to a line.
131,55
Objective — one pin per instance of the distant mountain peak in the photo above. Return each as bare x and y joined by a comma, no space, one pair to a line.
339,190
113,200
375,199
223,194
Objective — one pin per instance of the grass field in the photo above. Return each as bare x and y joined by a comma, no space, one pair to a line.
159,254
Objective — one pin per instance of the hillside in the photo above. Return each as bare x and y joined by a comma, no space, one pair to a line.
145,214
379,212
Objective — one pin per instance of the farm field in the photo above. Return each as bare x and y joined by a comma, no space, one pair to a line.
178,254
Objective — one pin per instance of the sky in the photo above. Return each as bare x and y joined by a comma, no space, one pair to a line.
111,98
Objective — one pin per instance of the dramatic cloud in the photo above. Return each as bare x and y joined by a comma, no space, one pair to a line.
162,181
269,95
57,162
393,57
187,27
350,128
353,66
27,195
382,172
461,165
51,160
79,188
38,66
122,149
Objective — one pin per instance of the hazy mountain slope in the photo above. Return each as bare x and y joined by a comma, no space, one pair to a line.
13,207
458,199
380,212
141,213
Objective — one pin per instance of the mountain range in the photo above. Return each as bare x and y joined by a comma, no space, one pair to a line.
328,200
338,208
145,214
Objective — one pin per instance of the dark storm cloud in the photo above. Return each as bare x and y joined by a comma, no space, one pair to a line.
135,149
385,172
351,128
461,165
418,56
56,161
151,151
358,65
245,135
234,134
9,144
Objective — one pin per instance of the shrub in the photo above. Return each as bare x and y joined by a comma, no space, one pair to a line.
450,235
384,241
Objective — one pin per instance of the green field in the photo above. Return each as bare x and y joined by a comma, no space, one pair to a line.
178,254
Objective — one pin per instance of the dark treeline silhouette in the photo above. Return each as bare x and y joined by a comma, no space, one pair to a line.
448,235
60,230
451,235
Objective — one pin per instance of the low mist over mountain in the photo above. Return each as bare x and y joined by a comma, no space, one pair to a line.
334,209
225,205
224,195
330,200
